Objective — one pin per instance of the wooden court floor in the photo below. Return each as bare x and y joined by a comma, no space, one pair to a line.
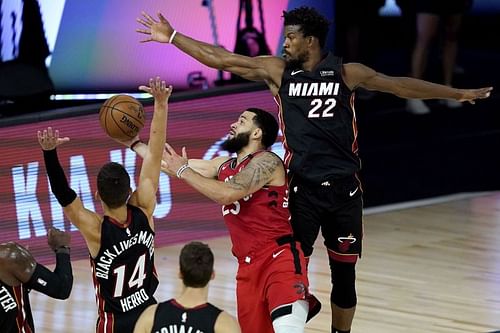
433,267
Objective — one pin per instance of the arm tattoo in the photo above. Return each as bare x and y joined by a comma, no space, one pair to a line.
257,173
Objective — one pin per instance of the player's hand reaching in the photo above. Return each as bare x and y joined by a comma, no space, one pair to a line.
57,238
49,139
158,31
128,142
158,89
470,95
171,161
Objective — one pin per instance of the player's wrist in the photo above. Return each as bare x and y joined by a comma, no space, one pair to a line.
183,168
172,36
62,249
135,143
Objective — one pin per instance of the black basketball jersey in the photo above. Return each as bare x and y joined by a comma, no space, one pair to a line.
15,310
123,271
170,316
318,122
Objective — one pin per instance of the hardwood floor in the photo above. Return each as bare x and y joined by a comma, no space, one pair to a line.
433,268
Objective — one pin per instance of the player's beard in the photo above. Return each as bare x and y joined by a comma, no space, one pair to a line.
237,143
297,62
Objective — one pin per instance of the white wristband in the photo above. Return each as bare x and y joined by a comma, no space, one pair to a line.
181,170
171,39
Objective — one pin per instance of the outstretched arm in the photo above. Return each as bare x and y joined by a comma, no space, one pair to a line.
145,194
19,266
207,168
263,169
263,68
86,221
358,75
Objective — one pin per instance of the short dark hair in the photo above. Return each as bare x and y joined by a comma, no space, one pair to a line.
311,22
196,263
113,184
268,125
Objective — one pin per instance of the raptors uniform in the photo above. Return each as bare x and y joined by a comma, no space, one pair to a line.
15,310
170,316
271,272
319,128
123,272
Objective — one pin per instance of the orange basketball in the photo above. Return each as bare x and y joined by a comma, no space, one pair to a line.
122,117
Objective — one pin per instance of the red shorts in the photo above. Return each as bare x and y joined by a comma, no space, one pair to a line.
274,277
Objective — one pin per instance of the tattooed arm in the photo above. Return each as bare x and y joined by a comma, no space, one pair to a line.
264,169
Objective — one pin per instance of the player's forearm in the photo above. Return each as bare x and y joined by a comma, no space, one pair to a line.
140,149
209,55
58,182
57,284
414,88
213,189
158,130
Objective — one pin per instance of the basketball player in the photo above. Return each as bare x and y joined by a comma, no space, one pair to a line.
19,273
315,95
120,243
190,312
271,284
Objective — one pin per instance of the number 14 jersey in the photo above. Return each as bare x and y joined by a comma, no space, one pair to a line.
123,271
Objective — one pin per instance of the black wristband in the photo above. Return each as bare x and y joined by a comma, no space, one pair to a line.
134,144
62,249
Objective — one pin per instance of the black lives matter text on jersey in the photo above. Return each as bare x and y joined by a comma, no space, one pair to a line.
7,302
105,261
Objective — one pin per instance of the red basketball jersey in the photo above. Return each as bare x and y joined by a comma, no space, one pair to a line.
258,219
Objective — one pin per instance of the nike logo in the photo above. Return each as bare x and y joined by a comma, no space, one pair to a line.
351,193
296,72
277,253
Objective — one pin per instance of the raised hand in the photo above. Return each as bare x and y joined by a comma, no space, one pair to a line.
49,139
158,89
57,238
171,161
470,95
157,31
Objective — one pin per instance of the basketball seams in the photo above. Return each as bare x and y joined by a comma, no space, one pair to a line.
118,125
103,113
130,116
116,108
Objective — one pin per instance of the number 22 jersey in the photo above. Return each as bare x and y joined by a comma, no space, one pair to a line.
318,122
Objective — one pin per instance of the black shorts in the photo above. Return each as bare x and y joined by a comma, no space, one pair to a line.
443,7
334,207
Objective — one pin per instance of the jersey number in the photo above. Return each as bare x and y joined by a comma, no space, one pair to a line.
317,104
137,278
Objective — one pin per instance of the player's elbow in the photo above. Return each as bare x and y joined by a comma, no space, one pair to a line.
65,292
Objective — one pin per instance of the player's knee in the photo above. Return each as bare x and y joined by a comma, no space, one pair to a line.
343,284
290,318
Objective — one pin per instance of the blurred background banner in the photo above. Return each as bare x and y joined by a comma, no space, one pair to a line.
93,45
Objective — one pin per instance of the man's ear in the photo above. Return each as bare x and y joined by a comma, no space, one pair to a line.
257,133
97,196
